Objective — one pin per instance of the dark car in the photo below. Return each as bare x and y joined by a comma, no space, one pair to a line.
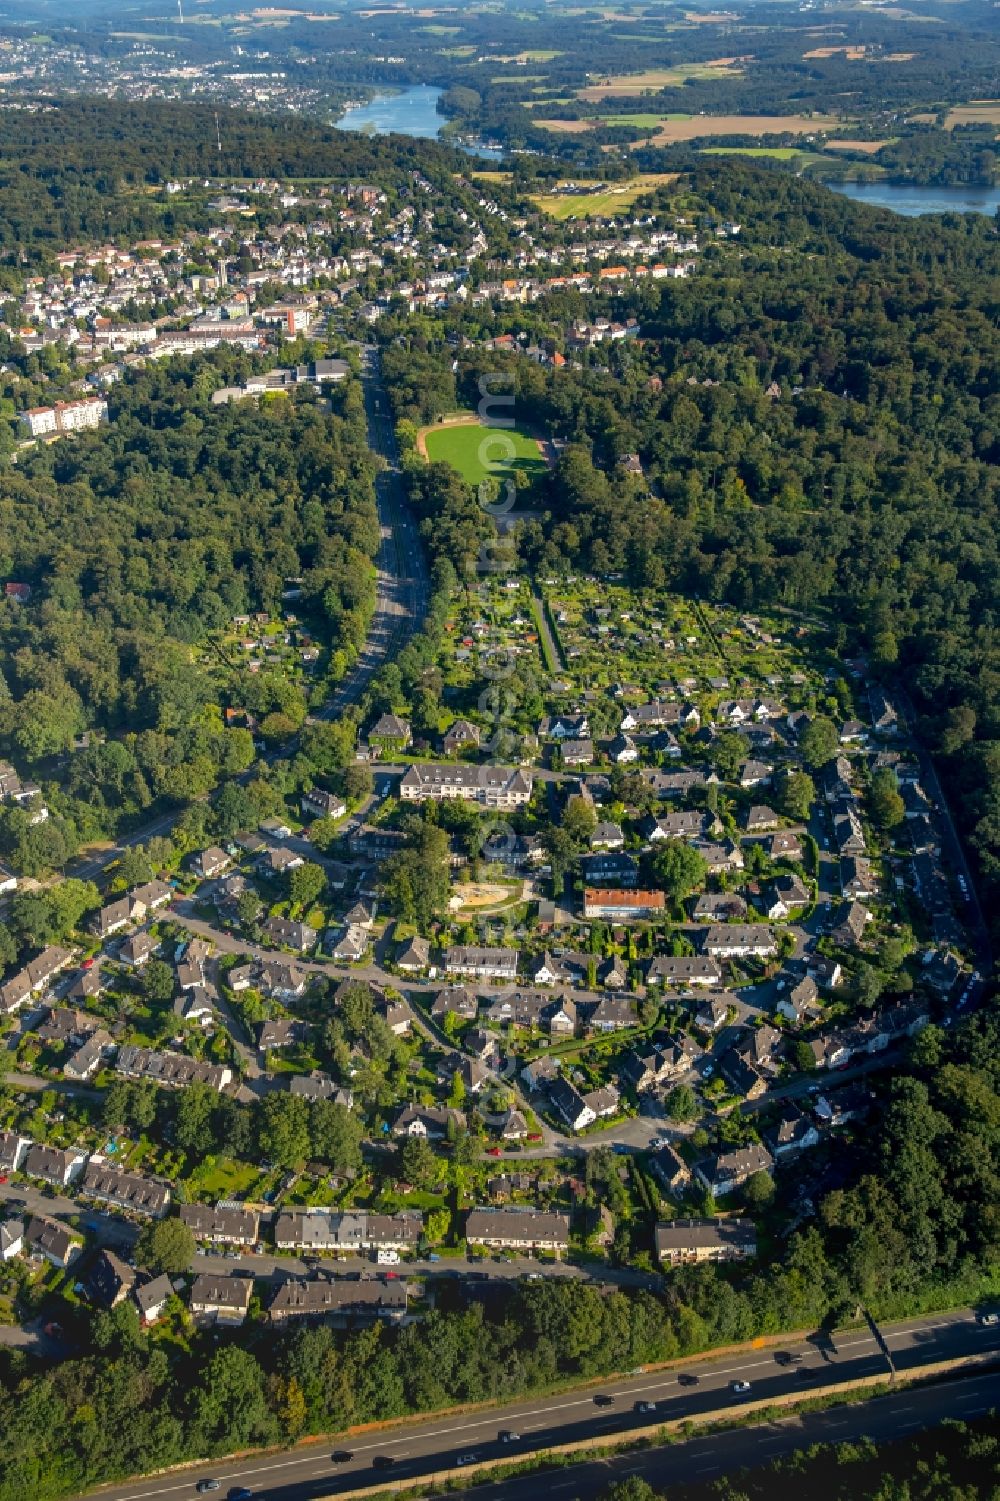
787,1357
383,1461
341,1456
242,1493
603,1400
686,1378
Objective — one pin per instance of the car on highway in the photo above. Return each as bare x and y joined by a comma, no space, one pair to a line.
204,1486
787,1357
507,1436
241,1493
988,1320
466,1459
603,1400
739,1388
383,1461
688,1378
341,1456
645,1407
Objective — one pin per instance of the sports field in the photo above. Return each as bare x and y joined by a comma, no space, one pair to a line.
480,453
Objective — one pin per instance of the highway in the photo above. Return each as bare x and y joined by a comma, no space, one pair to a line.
609,1408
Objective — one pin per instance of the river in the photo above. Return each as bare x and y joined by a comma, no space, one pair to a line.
411,112
904,198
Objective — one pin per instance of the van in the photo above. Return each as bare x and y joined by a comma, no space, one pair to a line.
387,1258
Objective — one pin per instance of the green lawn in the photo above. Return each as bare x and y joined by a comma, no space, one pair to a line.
221,1178
479,453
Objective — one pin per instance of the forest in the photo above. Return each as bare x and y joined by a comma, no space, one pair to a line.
866,482
141,542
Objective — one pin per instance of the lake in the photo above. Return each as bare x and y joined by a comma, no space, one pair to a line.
903,198
411,112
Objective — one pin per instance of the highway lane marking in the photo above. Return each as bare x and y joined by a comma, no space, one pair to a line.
536,1412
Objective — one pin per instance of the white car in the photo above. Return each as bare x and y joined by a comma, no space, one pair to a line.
466,1459
739,1388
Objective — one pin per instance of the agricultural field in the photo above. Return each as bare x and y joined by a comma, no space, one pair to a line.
795,154
624,86
674,128
602,205
480,453
978,112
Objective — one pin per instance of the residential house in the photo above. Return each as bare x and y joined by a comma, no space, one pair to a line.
857,882
278,862
685,969
217,1299
175,1070
718,906
211,863
784,896
317,803
607,836
345,1300
685,825
427,1121
460,734
721,1239
619,905
281,980
391,733
740,941
57,1165
455,1000
760,818
291,935
53,1241
742,1078
793,1132
517,1229
151,1298
11,1239
849,924
319,1086
349,945
725,1171
13,1149
670,1169
614,868
493,786
281,1032
137,950
613,1013
127,1191
414,956
713,1011
484,963
109,1280
88,1057
570,1104
222,1226
577,753
784,846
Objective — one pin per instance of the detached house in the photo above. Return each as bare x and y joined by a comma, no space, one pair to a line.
728,1170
